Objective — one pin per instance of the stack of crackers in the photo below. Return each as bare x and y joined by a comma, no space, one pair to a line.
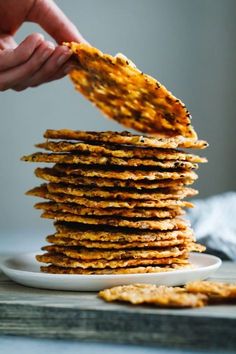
117,199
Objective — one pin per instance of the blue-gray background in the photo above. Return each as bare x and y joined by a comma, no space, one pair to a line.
188,45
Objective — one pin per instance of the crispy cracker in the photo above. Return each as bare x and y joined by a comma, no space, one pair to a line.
129,213
51,175
127,95
129,270
42,192
71,242
151,224
104,160
64,261
160,296
120,152
96,254
216,291
77,232
112,193
125,138
124,174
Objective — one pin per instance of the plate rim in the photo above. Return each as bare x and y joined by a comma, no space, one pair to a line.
6,268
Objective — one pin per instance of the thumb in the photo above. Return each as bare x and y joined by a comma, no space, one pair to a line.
48,15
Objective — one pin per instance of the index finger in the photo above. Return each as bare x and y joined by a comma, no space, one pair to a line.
51,18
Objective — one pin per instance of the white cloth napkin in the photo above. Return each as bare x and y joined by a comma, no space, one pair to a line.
214,221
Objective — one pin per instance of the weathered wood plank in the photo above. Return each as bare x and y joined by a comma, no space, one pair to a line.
58,314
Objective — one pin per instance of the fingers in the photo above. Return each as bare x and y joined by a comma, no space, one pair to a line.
48,15
52,69
10,58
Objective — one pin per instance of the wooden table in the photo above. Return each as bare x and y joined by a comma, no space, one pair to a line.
73,315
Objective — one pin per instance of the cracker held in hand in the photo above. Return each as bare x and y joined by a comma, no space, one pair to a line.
127,95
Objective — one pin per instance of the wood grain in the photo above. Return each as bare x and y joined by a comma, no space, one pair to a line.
73,315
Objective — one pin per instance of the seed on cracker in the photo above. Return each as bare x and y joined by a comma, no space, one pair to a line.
65,261
120,151
124,174
151,224
161,296
130,213
125,138
42,192
216,291
128,270
127,95
71,242
51,175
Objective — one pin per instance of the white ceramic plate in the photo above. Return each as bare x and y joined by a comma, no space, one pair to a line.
24,269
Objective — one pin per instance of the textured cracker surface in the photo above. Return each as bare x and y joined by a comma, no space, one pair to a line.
151,294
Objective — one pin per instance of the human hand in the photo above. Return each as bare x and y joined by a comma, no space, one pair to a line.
34,61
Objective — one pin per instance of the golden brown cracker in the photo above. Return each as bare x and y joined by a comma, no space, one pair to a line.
120,151
71,242
127,95
68,158
124,174
96,254
216,291
42,192
151,224
125,137
77,232
64,261
160,296
129,270
112,193
129,213
51,175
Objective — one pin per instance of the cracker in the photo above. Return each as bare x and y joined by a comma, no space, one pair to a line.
112,193
104,160
120,151
42,192
124,174
96,254
129,270
51,175
152,224
216,291
129,213
125,138
77,232
127,95
160,296
64,261
71,242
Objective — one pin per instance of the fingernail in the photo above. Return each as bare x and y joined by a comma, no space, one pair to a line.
64,57
46,53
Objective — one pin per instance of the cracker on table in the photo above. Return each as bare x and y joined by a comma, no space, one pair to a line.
216,291
160,296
